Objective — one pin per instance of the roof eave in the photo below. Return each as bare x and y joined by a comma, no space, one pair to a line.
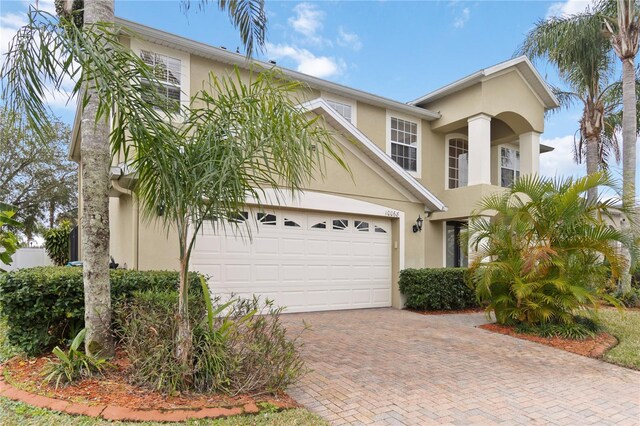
208,51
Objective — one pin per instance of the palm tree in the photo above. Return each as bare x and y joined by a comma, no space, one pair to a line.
581,54
83,45
242,138
547,251
624,30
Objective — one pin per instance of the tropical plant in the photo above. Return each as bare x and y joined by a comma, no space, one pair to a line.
56,243
74,364
83,45
243,137
577,48
8,241
547,253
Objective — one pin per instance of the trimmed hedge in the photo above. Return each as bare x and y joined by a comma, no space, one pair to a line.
437,289
45,306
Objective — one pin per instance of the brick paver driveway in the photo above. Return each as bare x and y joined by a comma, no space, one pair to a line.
387,366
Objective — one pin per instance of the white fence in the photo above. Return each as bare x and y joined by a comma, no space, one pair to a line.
27,258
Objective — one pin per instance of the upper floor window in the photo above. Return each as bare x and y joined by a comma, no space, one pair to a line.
167,71
458,166
342,109
509,166
404,143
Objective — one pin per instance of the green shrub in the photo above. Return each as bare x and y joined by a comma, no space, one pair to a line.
244,350
437,289
580,328
547,251
44,306
57,243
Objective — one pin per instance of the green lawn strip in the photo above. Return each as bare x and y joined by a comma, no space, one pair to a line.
18,414
626,327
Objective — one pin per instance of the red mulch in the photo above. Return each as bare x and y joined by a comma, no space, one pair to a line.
447,312
592,347
112,388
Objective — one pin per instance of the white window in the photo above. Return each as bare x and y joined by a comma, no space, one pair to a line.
404,143
168,72
342,109
509,166
458,163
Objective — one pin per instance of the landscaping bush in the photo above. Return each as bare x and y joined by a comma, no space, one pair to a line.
437,289
44,306
238,347
57,243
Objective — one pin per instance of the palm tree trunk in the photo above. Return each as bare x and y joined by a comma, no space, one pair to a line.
95,164
183,342
629,132
592,163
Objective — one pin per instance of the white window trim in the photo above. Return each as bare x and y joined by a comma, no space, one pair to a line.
342,100
418,173
185,68
448,137
507,146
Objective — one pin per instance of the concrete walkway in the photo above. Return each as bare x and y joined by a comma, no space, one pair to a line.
386,366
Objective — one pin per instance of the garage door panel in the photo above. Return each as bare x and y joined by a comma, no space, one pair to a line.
303,261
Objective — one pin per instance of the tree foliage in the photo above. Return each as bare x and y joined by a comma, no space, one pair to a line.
56,243
35,175
8,241
548,251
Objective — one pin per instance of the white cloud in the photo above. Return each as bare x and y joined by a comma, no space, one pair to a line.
308,22
10,23
463,18
569,7
307,62
560,162
347,39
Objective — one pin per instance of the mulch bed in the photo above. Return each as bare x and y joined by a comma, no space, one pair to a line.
113,389
592,347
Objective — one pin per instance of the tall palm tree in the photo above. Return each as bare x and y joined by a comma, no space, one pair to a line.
622,23
580,52
83,45
623,27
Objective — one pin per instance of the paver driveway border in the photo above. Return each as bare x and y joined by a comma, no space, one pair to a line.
387,366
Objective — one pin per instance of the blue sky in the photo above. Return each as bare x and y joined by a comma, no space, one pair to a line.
397,49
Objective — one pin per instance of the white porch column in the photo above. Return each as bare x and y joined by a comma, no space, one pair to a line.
479,149
530,153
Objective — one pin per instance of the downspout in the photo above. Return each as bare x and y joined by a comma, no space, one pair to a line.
116,173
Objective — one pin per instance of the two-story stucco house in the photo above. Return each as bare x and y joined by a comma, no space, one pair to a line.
342,243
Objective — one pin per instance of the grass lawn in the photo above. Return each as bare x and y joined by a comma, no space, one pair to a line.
626,327
18,414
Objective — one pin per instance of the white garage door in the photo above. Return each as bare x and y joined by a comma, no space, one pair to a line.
304,261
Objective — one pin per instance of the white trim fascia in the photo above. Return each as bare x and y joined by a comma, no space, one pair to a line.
418,173
174,41
404,177
75,130
478,76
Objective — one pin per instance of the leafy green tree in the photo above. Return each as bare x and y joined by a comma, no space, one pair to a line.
35,175
547,252
578,49
241,138
82,44
8,241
